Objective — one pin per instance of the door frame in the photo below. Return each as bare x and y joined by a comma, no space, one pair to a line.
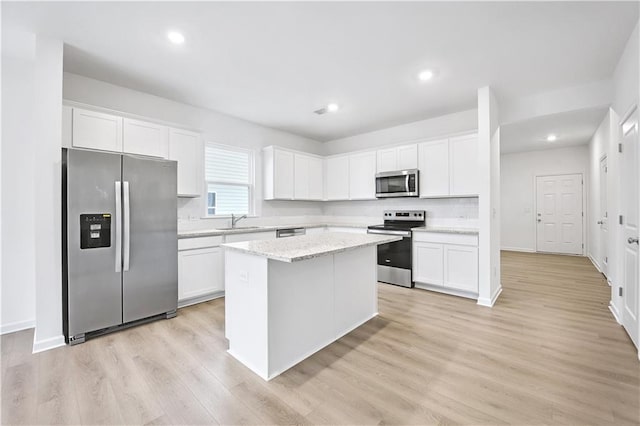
535,208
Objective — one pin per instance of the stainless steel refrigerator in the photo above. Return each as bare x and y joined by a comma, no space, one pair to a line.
120,241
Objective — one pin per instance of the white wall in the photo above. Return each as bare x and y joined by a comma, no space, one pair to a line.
518,172
18,237
489,270
215,127
459,122
48,198
598,148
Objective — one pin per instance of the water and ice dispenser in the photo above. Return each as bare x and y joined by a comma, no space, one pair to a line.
95,230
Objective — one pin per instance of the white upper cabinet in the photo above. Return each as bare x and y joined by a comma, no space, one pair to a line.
397,158
301,177
283,175
186,148
449,167
96,130
408,157
144,138
337,178
362,174
387,160
434,168
291,175
463,165
316,179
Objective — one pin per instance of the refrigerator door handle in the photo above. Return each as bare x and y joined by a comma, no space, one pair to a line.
118,218
127,229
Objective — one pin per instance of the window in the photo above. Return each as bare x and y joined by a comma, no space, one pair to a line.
229,176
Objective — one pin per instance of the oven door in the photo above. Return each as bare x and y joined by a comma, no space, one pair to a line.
394,260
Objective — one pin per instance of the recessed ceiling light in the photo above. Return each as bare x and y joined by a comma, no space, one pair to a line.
175,37
551,138
425,75
328,108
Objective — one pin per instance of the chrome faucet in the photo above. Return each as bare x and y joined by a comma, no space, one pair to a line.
235,219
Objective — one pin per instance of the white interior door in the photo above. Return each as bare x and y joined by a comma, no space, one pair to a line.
629,208
604,218
559,215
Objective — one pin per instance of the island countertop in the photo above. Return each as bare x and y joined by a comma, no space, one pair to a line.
305,247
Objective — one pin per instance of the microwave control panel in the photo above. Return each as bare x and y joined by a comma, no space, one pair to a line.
95,230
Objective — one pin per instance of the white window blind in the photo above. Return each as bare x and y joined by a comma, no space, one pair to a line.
229,177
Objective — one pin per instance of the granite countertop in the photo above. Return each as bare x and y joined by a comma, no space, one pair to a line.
251,229
309,246
467,231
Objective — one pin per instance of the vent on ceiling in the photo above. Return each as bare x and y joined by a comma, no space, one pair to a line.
321,111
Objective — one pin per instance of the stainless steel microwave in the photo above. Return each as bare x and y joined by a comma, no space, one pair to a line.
401,183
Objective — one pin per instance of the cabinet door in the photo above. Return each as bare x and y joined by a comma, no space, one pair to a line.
96,130
408,157
200,272
144,138
316,181
300,177
283,175
463,165
461,267
428,263
387,160
186,148
362,176
434,168
337,178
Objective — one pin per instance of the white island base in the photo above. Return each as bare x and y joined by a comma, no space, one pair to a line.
279,313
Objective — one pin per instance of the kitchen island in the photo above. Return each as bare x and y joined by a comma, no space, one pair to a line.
288,298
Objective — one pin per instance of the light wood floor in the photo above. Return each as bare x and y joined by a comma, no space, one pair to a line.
548,352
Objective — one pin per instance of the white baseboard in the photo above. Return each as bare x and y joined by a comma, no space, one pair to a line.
444,290
520,249
199,299
615,312
483,301
595,262
46,344
17,326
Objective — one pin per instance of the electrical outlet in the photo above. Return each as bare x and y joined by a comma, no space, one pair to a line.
243,276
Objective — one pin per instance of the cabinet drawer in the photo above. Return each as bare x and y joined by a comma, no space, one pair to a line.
445,238
199,242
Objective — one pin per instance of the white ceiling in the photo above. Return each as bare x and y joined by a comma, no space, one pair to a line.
275,63
572,128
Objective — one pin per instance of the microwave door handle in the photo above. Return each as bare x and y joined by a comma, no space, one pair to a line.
406,184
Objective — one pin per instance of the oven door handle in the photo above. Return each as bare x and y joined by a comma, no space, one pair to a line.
383,232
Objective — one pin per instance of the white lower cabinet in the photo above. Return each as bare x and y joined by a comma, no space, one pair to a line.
461,267
446,262
428,266
200,269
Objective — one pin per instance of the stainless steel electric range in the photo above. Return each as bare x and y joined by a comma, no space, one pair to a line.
394,259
